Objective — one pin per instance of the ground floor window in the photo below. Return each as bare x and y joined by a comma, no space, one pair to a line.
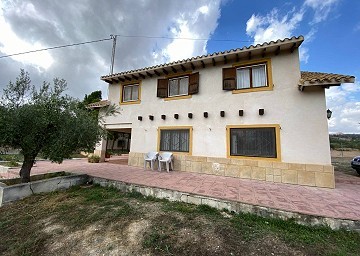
175,139
254,141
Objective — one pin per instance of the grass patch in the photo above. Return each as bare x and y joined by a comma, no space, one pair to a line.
205,209
157,241
178,207
342,164
11,157
331,242
106,221
11,163
185,208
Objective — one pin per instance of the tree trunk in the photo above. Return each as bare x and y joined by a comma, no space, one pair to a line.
26,168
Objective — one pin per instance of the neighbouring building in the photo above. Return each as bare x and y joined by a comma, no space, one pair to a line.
248,113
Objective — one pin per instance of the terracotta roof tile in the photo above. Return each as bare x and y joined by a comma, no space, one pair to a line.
317,78
286,44
99,104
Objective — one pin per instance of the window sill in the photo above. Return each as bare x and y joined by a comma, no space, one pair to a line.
255,158
178,97
259,89
175,153
130,102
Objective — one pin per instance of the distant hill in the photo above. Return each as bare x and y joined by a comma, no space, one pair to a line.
344,141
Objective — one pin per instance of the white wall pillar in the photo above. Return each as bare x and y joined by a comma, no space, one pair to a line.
100,149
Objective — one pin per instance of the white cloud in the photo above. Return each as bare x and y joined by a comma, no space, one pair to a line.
304,54
191,26
11,43
32,24
180,49
204,9
310,36
343,101
253,23
322,8
273,26
350,88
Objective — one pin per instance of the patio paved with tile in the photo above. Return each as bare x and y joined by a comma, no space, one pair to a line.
343,202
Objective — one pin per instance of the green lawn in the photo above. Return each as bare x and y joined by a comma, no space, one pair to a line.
104,221
342,164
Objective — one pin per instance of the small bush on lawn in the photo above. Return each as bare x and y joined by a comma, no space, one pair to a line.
94,159
13,163
11,157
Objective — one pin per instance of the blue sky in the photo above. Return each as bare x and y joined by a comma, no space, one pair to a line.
334,45
331,29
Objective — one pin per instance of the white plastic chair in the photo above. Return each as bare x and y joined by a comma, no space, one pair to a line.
167,158
150,157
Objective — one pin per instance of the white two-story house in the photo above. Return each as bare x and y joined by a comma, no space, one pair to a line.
247,113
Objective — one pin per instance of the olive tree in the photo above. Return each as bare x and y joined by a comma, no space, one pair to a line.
45,120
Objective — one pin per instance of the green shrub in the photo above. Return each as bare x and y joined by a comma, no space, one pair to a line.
344,141
94,159
11,157
13,163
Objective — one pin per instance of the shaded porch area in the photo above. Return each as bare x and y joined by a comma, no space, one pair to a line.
120,160
118,141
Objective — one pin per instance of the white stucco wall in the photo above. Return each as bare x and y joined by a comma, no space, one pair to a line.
301,115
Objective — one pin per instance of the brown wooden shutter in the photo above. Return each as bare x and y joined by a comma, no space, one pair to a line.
229,79
162,88
194,83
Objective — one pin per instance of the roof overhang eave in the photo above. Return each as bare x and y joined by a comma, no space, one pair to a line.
325,85
100,104
303,84
326,82
211,59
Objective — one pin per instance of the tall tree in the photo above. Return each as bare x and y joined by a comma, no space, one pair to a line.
45,121
93,97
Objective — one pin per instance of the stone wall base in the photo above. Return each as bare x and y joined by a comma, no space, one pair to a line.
280,172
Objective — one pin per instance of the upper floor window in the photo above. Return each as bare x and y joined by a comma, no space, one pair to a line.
248,77
251,76
130,93
178,86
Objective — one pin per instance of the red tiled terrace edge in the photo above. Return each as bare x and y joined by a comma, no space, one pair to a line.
340,203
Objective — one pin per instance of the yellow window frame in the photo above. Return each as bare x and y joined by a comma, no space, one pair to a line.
267,62
190,128
138,101
277,140
178,97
